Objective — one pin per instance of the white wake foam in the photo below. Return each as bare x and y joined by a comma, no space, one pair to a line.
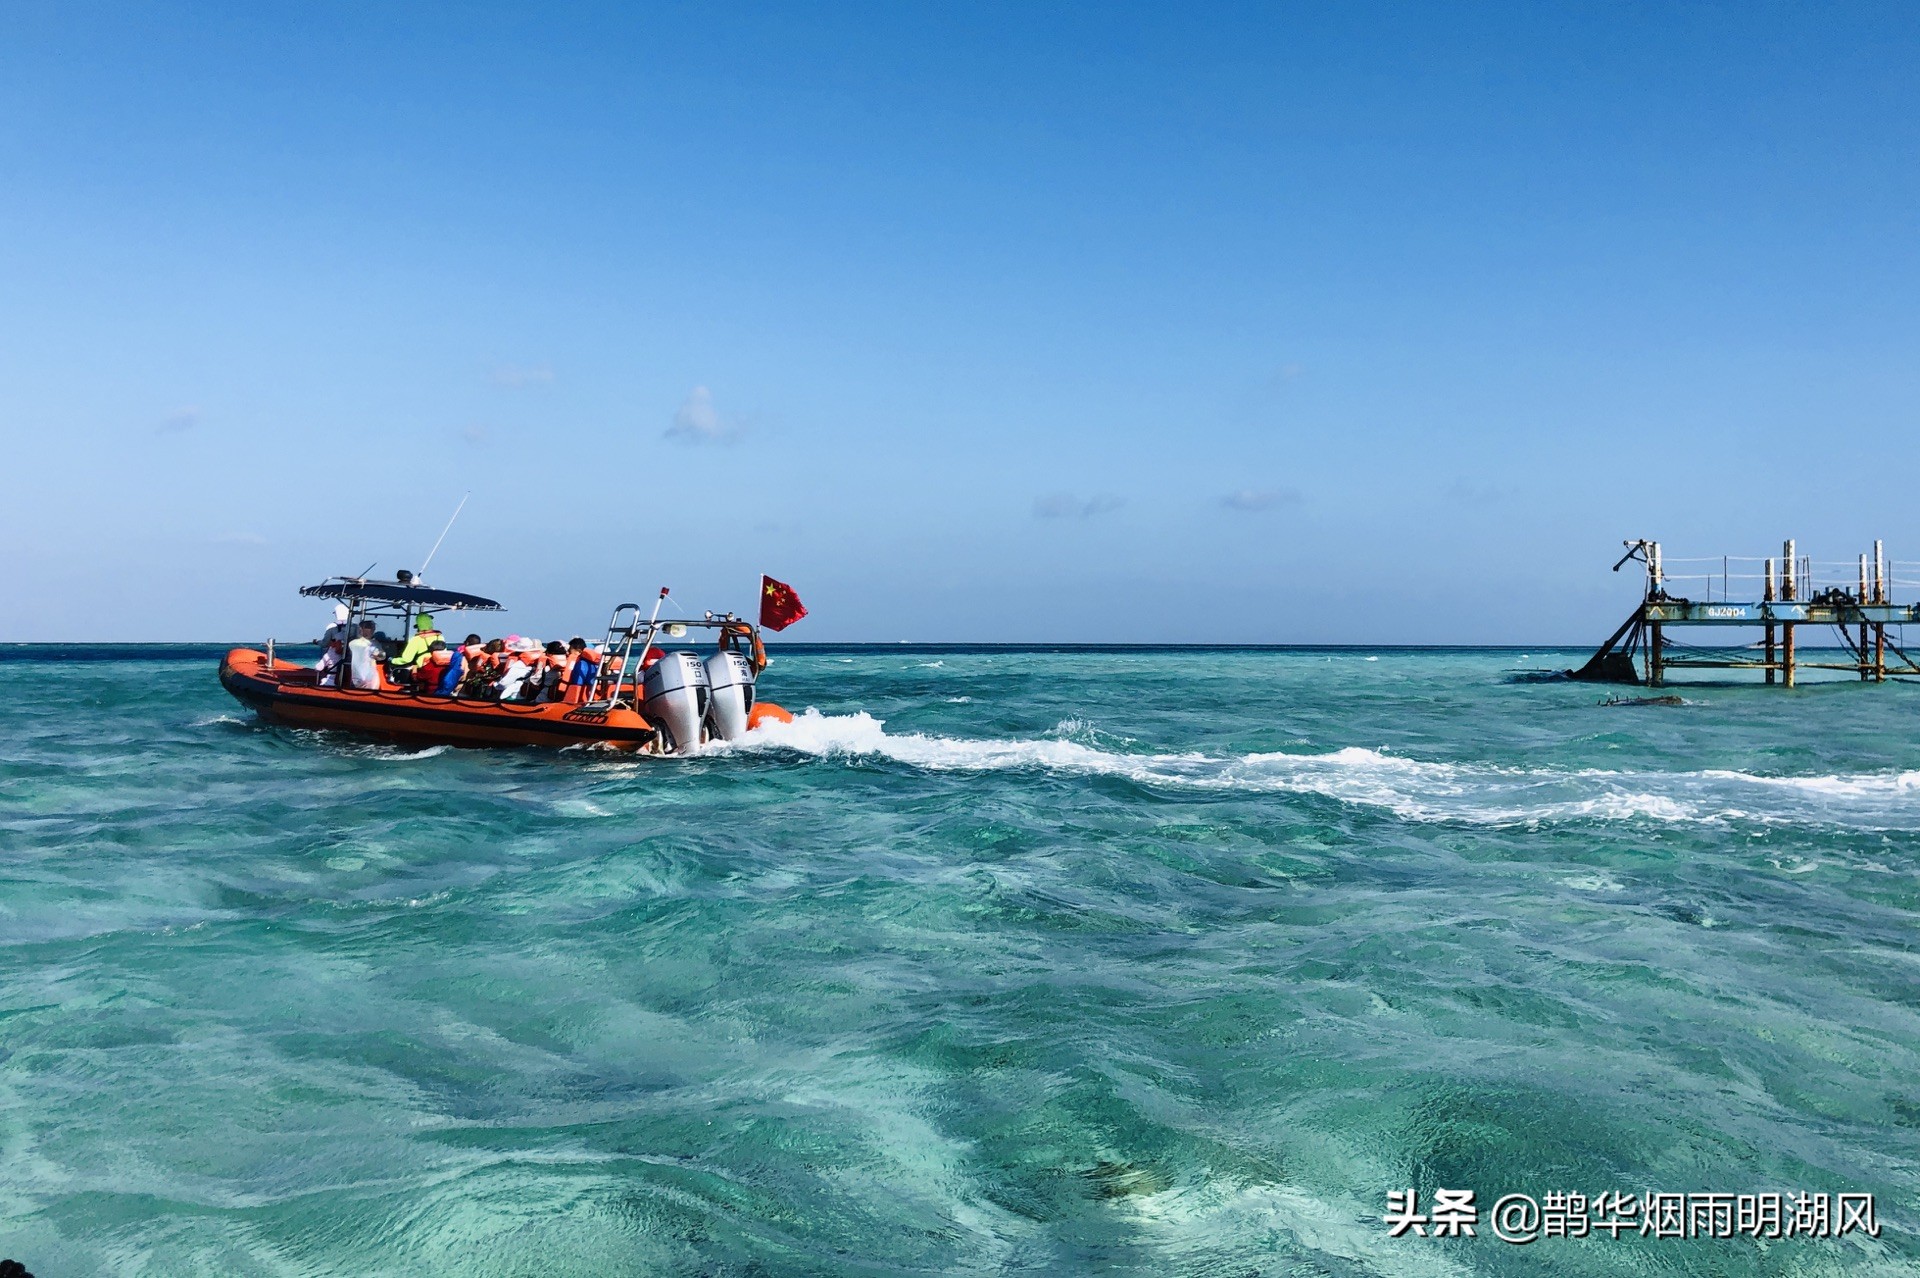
849,735
1414,789
399,754
1869,785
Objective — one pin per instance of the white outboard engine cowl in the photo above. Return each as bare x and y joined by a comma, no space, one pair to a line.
731,677
676,696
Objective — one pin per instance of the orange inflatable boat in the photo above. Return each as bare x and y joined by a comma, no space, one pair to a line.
637,698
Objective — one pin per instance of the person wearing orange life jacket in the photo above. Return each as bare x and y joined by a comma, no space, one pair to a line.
482,668
580,667
525,660
460,667
448,671
433,668
508,651
545,683
424,637
540,672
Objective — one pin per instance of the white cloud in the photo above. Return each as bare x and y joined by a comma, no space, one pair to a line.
1069,506
698,422
1261,498
523,374
178,421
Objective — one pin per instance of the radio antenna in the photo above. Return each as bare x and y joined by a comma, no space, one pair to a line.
443,533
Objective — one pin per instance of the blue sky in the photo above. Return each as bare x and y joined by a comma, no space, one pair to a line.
1266,323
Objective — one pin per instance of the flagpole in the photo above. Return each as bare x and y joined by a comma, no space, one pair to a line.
759,612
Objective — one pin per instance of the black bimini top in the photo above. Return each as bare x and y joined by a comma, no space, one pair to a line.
395,592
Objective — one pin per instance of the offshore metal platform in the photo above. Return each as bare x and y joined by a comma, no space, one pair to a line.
1860,612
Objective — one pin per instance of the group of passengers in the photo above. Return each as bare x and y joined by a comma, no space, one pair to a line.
516,669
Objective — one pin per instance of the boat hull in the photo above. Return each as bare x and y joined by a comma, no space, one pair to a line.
282,692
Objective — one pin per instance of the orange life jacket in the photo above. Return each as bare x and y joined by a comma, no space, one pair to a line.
431,669
573,658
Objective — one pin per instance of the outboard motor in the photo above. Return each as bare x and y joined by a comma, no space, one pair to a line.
731,676
676,696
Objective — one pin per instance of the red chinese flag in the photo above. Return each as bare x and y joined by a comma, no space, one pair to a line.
779,606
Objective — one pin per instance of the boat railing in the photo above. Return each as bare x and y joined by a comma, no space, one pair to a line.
618,681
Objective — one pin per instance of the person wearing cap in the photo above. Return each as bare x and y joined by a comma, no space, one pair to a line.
424,637
337,632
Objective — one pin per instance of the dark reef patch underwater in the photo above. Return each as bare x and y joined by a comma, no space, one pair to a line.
997,962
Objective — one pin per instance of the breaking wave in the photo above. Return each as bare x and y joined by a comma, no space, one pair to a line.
1413,789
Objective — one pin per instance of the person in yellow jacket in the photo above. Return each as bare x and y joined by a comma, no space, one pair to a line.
417,647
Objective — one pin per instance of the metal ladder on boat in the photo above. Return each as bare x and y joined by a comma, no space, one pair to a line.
617,668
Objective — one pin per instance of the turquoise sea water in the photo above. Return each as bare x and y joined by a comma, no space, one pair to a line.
1155,963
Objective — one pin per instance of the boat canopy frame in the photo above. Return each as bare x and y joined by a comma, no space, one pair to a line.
400,599
355,590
